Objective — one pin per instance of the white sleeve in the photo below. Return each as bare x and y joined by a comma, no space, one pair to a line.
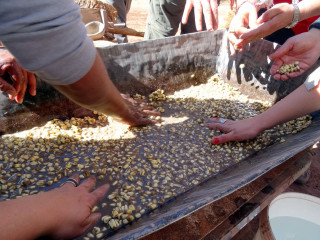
47,37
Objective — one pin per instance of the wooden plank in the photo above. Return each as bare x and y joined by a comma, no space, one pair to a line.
298,165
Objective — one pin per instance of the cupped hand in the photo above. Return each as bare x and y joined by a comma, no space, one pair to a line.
233,130
20,77
277,17
301,48
138,112
243,21
70,208
209,8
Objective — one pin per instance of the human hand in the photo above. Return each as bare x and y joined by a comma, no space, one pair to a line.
69,207
301,48
61,213
277,17
233,130
210,12
20,77
137,112
243,21
232,2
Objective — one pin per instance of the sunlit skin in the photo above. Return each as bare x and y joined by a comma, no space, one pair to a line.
277,17
209,8
61,213
21,78
299,103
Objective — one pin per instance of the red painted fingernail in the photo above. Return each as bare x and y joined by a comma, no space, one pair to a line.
215,141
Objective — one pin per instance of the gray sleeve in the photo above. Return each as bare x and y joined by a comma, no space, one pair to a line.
315,24
48,38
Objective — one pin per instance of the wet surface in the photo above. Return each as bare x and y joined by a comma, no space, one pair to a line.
146,167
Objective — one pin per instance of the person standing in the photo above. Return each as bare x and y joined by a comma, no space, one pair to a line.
166,16
49,39
123,7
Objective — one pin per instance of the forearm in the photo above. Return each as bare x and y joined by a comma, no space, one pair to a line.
308,8
299,103
24,218
95,91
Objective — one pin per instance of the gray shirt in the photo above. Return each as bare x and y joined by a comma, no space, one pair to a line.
47,37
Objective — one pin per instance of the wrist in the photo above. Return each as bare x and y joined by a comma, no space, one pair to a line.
295,16
25,216
45,207
303,11
124,115
260,123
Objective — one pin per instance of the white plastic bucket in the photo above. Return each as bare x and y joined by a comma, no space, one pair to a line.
291,216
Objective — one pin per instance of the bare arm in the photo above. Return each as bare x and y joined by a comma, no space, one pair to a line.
62,213
96,91
308,8
279,16
57,49
299,103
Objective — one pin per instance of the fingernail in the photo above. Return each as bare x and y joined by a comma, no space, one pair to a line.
18,100
11,93
215,141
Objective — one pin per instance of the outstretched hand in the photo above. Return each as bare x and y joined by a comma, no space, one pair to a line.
210,12
61,213
301,48
275,18
233,130
243,21
139,111
20,77
71,207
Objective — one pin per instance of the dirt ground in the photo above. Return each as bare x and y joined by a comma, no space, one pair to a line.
136,19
